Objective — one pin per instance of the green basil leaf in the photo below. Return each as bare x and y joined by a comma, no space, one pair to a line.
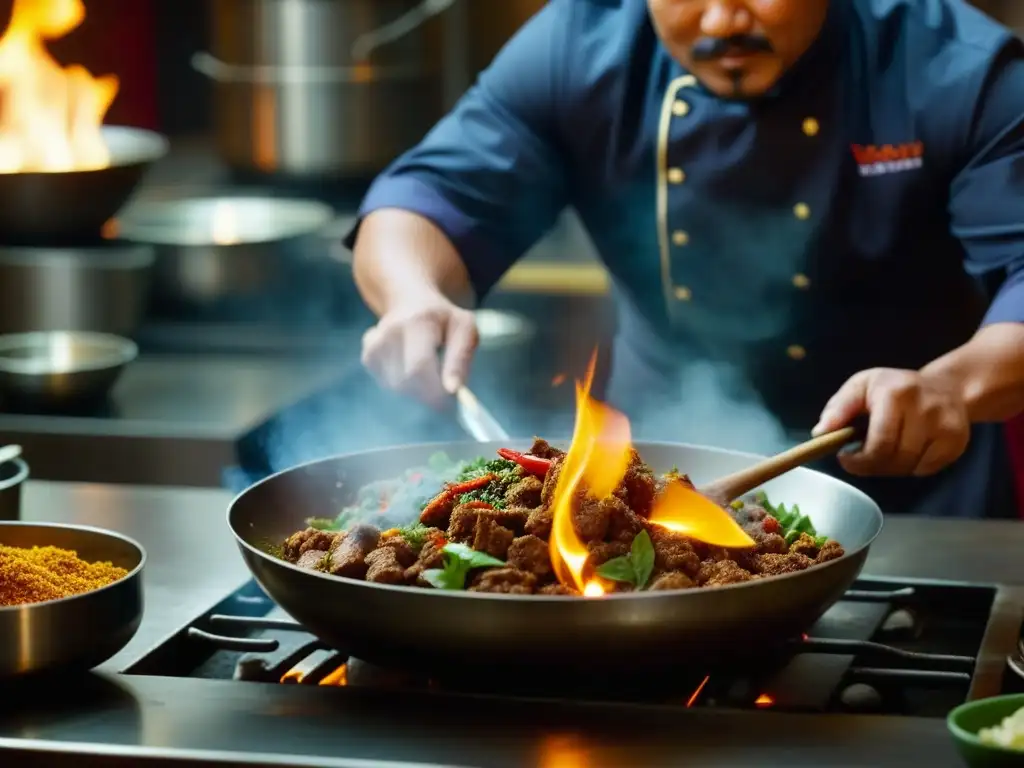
803,524
792,536
618,569
445,578
460,551
819,541
483,560
641,558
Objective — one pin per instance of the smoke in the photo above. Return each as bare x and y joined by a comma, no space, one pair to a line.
711,405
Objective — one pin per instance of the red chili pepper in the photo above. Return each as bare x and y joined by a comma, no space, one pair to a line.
535,465
440,506
771,525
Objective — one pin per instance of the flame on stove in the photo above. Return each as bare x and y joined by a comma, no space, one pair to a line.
563,752
764,700
297,674
50,116
597,460
338,678
697,692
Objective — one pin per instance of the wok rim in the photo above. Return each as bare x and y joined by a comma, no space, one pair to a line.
131,575
155,146
438,594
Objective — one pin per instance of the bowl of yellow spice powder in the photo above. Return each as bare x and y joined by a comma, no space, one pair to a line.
70,596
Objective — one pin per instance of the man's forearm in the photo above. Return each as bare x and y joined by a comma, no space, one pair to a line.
401,256
988,371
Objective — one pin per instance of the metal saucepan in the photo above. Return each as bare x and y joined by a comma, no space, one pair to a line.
60,370
436,630
43,208
210,249
78,632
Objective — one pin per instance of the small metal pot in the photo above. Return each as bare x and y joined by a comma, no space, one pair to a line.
13,475
74,289
211,250
52,372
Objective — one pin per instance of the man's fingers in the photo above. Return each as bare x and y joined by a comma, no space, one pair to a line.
880,447
460,343
845,405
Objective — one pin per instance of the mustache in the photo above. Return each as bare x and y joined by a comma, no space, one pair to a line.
710,48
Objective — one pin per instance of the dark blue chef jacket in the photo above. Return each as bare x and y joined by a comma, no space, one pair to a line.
852,218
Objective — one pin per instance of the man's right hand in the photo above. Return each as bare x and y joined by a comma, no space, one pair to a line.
401,350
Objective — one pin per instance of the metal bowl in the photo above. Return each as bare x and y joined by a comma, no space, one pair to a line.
79,632
61,370
212,249
44,208
13,475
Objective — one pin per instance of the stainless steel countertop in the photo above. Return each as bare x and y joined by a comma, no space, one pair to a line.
193,562
173,420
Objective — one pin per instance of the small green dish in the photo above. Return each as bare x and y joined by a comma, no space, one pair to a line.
965,721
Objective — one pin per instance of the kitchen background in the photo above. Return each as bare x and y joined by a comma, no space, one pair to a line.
225,267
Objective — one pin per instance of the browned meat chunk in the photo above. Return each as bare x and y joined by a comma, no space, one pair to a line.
547,493
404,552
383,567
776,565
463,524
623,523
531,554
555,589
311,558
804,545
767,543
603,551
748,513
638,486
431,556
830,550
543,450
349,558
491,538
525,493
539,522
592,518
308,540
672,580
673,551
722,573
509,581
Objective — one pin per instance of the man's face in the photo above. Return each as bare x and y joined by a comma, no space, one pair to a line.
738,48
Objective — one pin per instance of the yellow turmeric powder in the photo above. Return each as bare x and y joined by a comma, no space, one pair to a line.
48,573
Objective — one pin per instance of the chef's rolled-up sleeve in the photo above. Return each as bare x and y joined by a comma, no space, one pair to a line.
987,196
490,174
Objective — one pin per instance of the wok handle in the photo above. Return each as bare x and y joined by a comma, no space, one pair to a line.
739,483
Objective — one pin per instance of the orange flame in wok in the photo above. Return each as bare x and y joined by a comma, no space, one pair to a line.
596,461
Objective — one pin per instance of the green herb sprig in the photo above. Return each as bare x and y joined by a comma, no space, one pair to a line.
415,535
793,522
459,560
634,568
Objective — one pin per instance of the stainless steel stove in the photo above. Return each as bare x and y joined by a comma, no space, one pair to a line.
888,647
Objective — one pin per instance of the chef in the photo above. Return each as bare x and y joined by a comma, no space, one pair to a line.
825,196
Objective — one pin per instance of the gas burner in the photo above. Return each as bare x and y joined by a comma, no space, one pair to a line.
884,648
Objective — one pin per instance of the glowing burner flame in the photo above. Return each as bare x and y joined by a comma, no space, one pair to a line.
596,462
50,117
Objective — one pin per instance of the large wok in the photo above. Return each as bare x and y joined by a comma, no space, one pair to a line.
46,208
437,630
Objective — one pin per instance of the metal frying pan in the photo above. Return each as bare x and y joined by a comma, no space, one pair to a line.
437,630
44,208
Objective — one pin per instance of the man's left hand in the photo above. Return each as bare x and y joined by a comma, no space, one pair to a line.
917,425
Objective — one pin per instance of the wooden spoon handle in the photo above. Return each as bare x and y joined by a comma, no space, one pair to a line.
739,483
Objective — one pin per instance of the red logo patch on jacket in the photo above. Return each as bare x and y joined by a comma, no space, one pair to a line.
873,160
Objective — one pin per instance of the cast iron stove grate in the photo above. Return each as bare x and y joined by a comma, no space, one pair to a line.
887,647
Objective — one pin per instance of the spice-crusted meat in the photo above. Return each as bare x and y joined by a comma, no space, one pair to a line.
673,551
308,540
500,509
383,567
672,580
509,581
463,524
525,493
349,557
431,556
492,538
531,554
310,559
